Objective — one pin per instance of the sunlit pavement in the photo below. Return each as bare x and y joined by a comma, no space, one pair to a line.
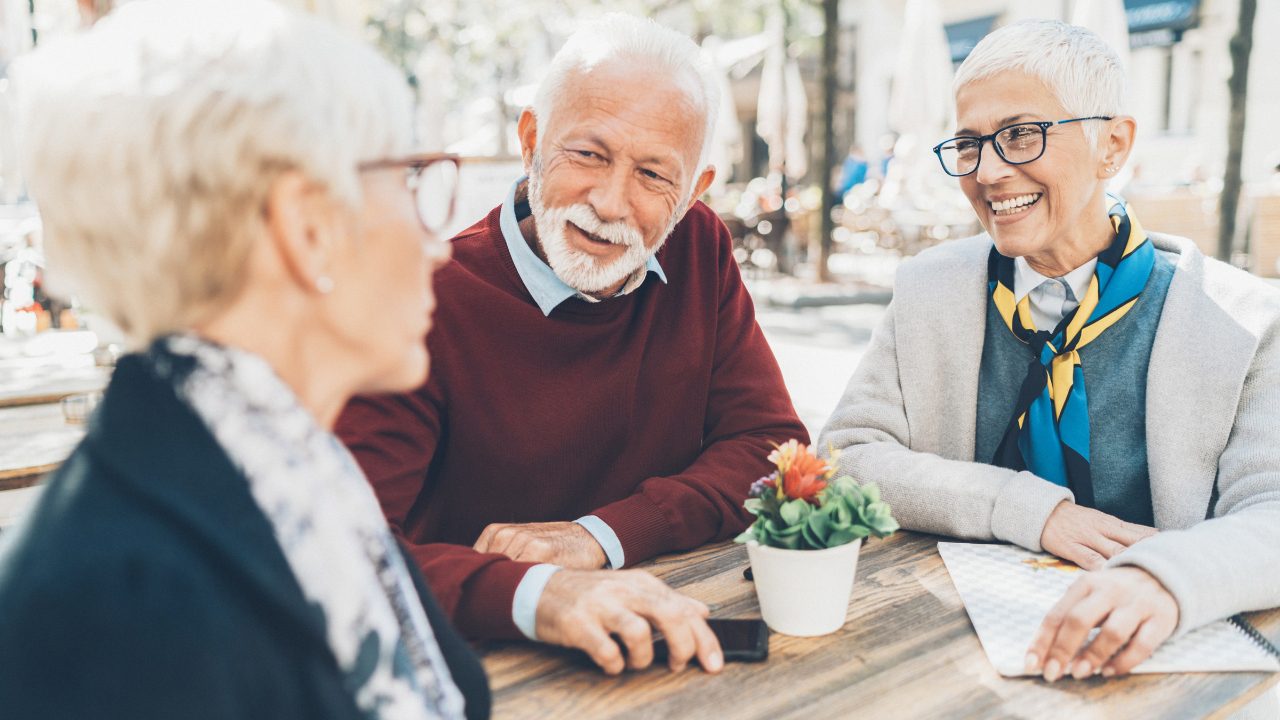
818,349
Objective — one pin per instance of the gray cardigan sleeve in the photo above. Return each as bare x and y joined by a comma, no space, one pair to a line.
1231,562
871,430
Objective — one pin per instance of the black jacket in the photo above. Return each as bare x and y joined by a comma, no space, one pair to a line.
146,583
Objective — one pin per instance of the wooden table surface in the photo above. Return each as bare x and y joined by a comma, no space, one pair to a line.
34,440
907,650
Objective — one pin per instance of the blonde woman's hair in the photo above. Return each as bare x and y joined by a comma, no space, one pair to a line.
151,141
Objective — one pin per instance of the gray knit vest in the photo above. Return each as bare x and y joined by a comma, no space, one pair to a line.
1115,376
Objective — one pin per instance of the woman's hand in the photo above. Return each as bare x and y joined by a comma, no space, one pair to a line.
1088,537
1134,611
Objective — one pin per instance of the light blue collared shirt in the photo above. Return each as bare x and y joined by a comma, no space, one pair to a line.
548,291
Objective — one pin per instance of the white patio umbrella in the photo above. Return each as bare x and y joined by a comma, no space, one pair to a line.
1107,19
782,110
920,105
921,102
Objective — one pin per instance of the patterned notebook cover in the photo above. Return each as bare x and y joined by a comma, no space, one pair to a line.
1008,590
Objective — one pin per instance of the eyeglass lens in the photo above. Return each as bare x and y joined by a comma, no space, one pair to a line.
435,191
1016,144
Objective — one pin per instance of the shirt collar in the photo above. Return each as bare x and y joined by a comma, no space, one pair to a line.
547,289
1026,279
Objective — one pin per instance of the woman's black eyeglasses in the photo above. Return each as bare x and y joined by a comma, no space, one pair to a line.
1016,144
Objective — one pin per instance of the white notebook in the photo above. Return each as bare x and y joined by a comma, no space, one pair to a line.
1007,591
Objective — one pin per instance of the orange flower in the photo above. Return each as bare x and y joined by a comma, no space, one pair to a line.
807,463
806,477
803,486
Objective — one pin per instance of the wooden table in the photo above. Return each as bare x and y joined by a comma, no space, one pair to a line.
34,440
907,651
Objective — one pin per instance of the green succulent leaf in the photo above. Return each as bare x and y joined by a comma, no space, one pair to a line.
845,511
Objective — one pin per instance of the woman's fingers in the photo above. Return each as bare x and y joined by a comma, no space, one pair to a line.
1073,631
1144,642
1038,653
1119,627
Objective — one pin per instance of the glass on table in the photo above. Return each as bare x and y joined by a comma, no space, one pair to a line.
77,408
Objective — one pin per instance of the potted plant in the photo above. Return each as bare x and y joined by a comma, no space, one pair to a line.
804,542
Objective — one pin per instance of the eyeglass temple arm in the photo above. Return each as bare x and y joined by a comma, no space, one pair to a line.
1079,119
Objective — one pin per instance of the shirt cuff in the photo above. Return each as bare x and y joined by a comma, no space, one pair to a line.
524,607
607,538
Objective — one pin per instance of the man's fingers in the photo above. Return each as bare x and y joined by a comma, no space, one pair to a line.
1144,642
636,635
592,639
681,644
709,654
530,549
485,540
1115,633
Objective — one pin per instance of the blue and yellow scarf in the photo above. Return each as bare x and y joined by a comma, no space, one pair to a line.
1049,431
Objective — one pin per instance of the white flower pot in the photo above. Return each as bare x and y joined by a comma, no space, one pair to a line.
804,592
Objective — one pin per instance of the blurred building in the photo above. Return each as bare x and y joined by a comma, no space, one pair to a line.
1178,66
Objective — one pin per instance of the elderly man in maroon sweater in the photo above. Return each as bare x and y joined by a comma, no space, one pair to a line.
600,391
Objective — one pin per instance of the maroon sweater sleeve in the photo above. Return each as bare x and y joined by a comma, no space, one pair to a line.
748,408
393,438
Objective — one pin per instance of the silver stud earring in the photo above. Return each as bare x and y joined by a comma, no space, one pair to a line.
324,284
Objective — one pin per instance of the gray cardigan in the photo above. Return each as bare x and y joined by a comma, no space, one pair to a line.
908,422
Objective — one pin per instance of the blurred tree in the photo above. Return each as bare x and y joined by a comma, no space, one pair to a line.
476,56
1241,48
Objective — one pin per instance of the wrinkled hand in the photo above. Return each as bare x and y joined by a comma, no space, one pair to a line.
580,609
1132,608
566,544
1088,537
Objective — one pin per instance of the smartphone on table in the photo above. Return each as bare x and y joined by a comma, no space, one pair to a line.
740,640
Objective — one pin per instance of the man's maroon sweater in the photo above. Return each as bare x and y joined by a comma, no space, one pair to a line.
653,411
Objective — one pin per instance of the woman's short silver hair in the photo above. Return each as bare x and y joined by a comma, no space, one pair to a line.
151,141
651,46
1077,66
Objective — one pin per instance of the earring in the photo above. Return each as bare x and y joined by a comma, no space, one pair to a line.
1111,168
324,284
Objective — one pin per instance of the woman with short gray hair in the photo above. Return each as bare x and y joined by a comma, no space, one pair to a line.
230,183
1069,382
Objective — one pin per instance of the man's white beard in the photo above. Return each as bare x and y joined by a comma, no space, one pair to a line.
578,269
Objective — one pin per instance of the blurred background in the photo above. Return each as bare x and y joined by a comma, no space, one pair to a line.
826,179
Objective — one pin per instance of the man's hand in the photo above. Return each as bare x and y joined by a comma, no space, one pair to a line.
581,609
566,544
1088,537
1132,608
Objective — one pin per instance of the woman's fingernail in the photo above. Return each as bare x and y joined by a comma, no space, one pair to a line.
1052,670
1032,663
1082,670
1108,671
715,662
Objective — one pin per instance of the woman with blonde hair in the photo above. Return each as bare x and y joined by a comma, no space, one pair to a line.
230,183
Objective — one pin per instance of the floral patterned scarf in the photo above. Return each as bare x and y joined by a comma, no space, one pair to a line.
329,525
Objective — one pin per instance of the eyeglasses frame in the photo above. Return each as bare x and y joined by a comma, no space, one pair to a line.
420,162
983,139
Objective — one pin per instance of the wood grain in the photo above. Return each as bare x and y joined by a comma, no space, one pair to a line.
907,650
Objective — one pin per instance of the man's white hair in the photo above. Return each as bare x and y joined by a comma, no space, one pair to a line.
650,46
1077,66
150,143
